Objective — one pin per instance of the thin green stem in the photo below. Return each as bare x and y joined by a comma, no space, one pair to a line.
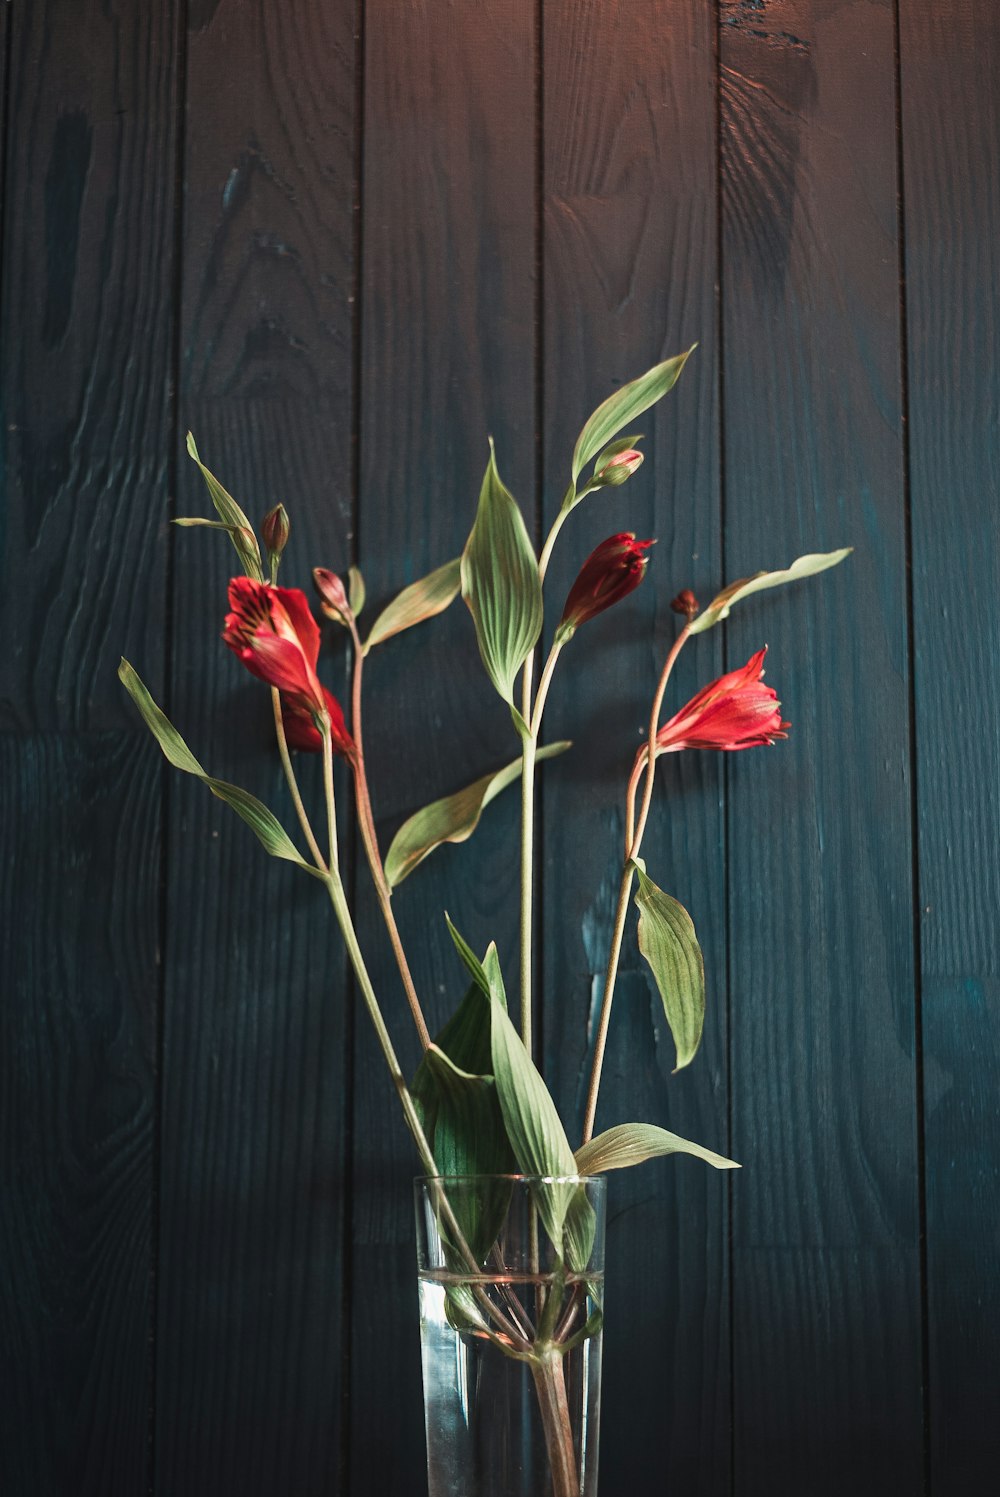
543,688
625,888
528,749
369,839
331,806
338,899
621,914
654,723
286,764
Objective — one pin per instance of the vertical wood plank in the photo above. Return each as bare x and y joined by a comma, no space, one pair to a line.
825,1234
448,350
630,244
250,1349
86,310
951,128
86,316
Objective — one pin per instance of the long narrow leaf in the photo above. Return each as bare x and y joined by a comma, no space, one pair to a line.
670,946
263,823
804,566
454,818
633,1143
240,529
422,600
623,406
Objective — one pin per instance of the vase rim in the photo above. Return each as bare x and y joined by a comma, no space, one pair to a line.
515,1178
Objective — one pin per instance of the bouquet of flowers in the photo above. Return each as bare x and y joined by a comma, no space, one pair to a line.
478,1106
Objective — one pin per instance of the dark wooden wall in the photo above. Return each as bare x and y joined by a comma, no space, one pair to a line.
342,242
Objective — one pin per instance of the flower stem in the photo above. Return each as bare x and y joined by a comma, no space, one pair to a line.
634,840
528,749
338,899
286,764
369,839
331,807
550,1386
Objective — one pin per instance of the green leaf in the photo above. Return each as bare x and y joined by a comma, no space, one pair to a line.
670,946
452,819
634,1143
355,590
232,517
460,1112
804,566
623,406
500,583
486,973
420,601
535,1131
262,822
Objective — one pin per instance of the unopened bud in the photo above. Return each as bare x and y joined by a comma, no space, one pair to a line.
620,467
274,528
333,595
612,571
686,603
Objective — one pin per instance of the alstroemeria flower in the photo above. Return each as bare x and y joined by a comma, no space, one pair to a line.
735,712
612,571
272,630
302,733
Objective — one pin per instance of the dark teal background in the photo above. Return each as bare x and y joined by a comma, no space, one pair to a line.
342,243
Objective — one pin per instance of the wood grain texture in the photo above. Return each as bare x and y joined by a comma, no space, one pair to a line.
630,242
448,350
951,120
78,885
86,315
87,323
826,1287
249,1351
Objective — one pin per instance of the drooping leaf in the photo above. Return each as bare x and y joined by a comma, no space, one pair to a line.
355,590
804,566
421,600
263,823
670,946
500,583
451,819
634,1143
623,407
240,529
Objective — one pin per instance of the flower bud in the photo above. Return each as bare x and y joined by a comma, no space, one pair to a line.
333,596
686,603
274,528
612,571
620,467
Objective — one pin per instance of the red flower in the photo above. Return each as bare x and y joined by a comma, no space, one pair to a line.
612,570
302,733
272,630
735,712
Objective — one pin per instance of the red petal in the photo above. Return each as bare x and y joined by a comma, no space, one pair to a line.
295,603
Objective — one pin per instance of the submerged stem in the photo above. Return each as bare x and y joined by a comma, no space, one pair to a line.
550,1386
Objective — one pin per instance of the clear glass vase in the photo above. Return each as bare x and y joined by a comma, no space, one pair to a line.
511,1279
